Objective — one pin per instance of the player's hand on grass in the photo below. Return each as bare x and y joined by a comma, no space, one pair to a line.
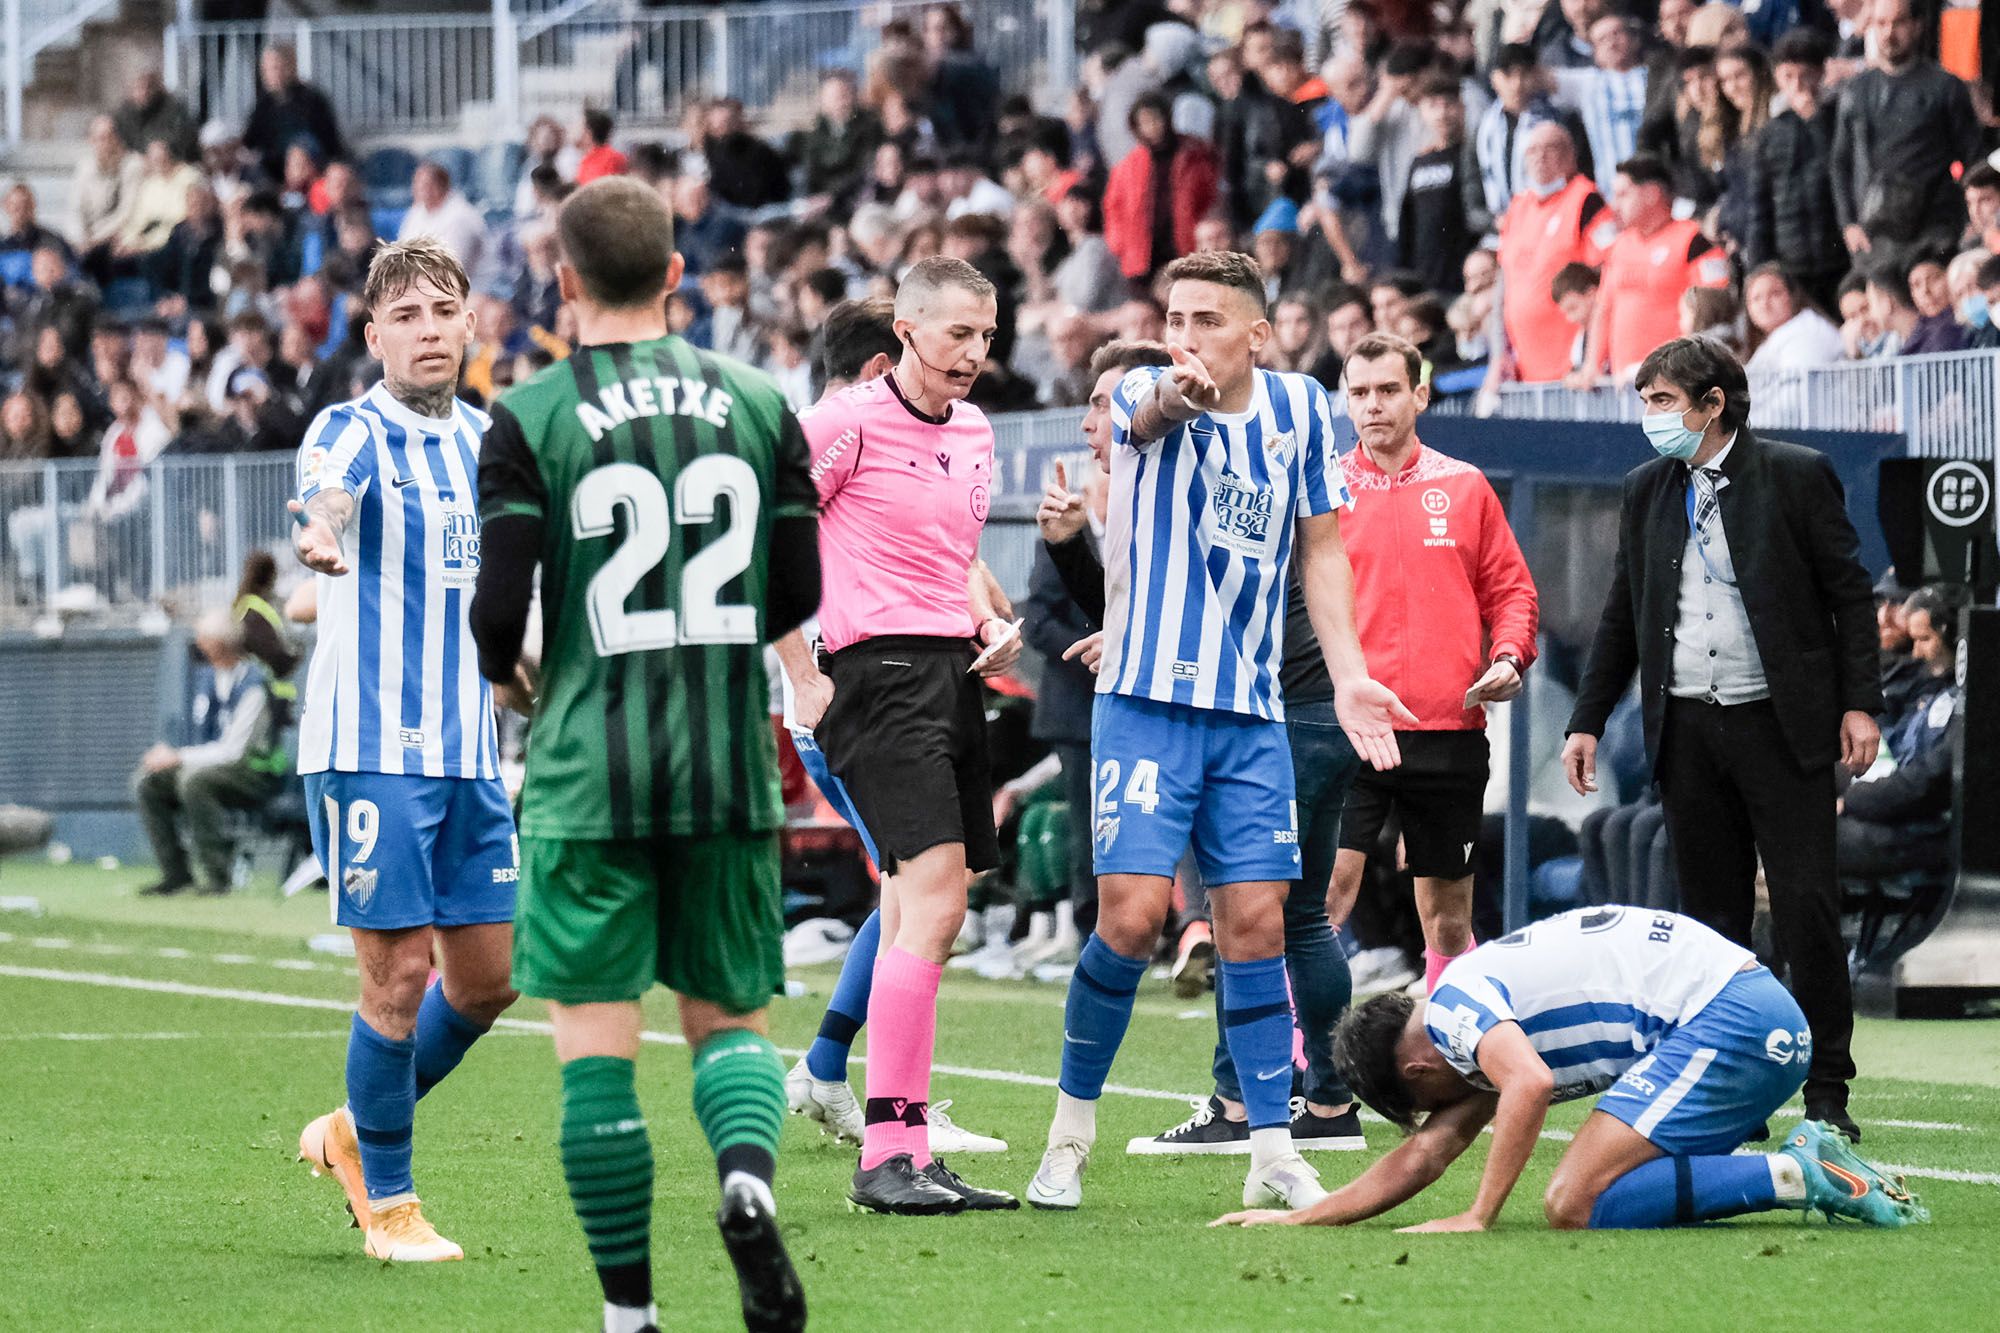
1257,1217
1860,739
1580,762
1192,380
1090,649
318,549
1061,514
1369,713
812,695
1463,1222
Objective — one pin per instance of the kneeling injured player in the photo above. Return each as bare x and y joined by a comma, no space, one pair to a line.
1693,1043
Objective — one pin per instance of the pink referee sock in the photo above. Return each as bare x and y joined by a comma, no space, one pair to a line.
902,1034
1434,964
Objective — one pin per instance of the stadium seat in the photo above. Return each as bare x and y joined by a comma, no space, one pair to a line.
386,173
495,176
463,168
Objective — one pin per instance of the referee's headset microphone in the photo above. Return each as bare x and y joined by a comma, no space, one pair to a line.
911,343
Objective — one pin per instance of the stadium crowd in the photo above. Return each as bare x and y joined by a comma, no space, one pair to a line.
1528,191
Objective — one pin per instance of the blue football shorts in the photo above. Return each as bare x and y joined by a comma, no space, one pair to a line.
1713,1081
813,760
1165,774
404,851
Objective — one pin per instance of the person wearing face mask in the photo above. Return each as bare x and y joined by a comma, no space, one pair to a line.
1739,598
1560,219
1968,299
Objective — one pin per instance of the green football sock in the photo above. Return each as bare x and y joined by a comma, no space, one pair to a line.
739,1097
608,1162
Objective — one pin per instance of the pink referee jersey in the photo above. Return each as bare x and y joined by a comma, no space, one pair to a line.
902,501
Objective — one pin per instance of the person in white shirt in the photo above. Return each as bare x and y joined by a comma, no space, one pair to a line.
1788,334
436,209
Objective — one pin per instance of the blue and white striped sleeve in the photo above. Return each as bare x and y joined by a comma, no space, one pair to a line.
336,455
1125,400
1322,486
1460,1011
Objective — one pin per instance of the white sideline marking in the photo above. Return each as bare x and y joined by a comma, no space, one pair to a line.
169,1036
45,943
1944,1125
516,1024
1930,1173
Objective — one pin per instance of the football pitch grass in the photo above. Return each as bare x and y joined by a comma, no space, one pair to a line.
157,1060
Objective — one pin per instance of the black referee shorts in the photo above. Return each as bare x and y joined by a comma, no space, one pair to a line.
1438,793
906,734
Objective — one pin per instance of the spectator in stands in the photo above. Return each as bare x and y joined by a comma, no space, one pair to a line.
1981,187
135,437
1156,195
1903,123
159,204
1917,305
1297,341
1434,234
1786,331
1090,280
1985,323
1564,33
1389,133
703,233
1790,217
593,140
157,366
23,235
1898,823
48,370
1036,244
1264,143
964,87
287,110
547,146
24,428
835,153
743,170
440,211
1696,142
106,179
1654,260
1610,91
265,638
150,112
1472,312
69,429
235,764
728,327
225,161
1349,319
968,189
57,299
1520,104
1574,290
1968,302
1712,312
1558,219
1744,75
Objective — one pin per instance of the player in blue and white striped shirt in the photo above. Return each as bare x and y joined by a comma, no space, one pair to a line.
396,741
1214,465
1696,1042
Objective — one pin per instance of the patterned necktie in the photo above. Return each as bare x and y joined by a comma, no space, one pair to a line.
1708,482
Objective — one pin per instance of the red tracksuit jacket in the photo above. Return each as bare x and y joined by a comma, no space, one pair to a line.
1440,585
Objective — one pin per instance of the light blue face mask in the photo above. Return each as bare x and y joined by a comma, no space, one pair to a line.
1547,188
1668,433
1973,311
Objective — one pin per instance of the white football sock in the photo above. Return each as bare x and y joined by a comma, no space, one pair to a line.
1075,1119
629,1318
1788,1178
1270,1145
757,1187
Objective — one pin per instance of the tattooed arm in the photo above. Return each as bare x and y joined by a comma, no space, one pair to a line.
1183,393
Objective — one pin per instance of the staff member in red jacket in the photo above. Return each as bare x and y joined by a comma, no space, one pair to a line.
1447,614
1158,192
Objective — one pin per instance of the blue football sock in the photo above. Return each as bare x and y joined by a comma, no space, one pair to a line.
826,1058
382,1094
1257,1021
443,1037
1681,1191
1095,1016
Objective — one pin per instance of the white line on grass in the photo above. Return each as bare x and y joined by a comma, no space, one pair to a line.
162,987
1931,1173
170,1036
1946,1126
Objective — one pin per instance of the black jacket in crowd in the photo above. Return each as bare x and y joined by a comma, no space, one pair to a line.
1909,129
1790,218
1252,128
1811,609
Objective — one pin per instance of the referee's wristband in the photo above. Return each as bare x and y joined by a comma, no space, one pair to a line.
1511,661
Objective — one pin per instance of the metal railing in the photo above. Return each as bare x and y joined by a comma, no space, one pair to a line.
488,74
27,28
1946,405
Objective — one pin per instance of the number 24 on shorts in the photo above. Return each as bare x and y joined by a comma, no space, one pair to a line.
1143,790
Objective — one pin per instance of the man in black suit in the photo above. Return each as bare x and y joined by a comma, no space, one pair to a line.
1740,600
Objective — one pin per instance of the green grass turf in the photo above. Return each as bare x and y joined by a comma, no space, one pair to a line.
148,1182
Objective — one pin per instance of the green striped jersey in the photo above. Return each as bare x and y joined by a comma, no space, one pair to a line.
657,470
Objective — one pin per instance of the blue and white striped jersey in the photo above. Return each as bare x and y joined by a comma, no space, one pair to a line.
394,685
1197,540
1595,990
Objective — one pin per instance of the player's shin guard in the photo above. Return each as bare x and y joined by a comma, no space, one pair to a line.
382,1094
739,1098
443,1037
848,1009
608,1163
902,1026
1257,1022
1096,1013
1681,1191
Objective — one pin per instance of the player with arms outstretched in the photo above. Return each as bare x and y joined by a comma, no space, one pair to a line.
664,493
1693,1043
396,737
1214,465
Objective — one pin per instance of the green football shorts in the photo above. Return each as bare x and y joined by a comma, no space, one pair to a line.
601,920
